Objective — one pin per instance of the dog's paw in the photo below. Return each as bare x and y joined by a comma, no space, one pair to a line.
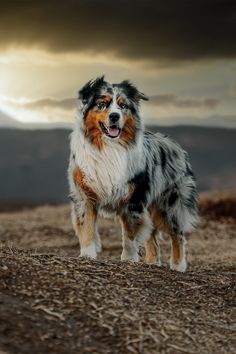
179,267
129,256
89,251
153,260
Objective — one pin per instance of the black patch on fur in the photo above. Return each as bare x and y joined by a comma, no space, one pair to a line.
163,157
172,174
174,224
72,198
175,154
132,109
172,199
163,214
131,91
89,107
89,92
155,160
142,187
73,156
135,208
170,157
91,88
109,90
189,171
154,165
190,202
165,192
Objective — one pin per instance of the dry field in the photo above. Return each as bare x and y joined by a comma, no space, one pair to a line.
51,301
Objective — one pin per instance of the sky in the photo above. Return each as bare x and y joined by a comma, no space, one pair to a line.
182,54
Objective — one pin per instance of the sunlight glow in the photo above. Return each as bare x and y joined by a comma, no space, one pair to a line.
22,115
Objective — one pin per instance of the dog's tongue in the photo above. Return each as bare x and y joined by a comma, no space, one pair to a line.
113,131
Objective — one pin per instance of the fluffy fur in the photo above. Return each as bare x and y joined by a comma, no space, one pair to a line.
118,169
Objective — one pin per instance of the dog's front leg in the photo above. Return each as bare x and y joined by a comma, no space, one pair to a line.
85,228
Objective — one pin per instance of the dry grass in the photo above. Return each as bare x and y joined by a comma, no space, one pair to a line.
53,302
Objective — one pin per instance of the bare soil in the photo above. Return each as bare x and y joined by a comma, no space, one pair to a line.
51,301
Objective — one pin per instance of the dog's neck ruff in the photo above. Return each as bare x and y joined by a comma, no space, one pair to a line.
107,171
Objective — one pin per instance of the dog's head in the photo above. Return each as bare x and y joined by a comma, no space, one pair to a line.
110,111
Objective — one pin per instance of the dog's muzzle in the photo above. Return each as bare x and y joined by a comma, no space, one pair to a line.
113,118
113,131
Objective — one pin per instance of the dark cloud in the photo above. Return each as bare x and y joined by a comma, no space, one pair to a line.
156,100
165,30
183,102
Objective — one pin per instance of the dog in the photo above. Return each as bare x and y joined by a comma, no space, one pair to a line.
116,168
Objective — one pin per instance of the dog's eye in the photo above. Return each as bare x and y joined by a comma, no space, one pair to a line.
123,106
101,106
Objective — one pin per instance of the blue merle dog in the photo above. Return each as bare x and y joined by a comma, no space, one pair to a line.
118,169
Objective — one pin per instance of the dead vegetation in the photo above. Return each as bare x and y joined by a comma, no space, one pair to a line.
53,302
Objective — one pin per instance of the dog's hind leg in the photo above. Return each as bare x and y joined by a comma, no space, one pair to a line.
152,248
178,259
136,229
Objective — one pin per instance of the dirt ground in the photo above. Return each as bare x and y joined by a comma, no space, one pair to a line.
51,301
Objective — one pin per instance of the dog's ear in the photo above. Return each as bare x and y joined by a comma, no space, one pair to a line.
142,96
88,91
132,91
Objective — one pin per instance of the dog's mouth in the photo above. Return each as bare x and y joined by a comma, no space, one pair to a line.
112,132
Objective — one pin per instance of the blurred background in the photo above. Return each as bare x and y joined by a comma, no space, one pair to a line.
182,54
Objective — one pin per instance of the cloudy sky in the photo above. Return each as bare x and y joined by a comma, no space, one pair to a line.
180,53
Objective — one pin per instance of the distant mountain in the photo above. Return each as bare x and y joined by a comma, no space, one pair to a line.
7,121
213,121
33,163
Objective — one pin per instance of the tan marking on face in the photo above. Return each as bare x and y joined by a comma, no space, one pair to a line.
93,129
121,100
79,179
129,129
107,98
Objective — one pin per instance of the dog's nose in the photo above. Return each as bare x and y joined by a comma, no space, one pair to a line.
114,117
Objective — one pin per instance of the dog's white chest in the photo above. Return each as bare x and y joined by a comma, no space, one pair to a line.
106,171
